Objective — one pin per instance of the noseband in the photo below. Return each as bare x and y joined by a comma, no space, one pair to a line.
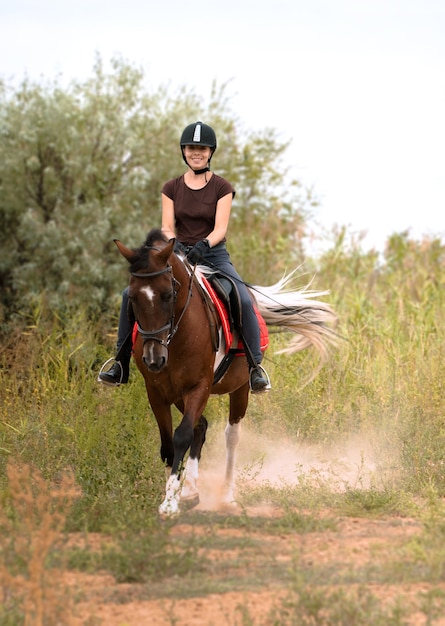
151,335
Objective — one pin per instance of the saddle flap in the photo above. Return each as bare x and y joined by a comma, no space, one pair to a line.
227,304
227,291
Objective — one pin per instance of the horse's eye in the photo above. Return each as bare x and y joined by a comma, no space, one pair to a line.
167,297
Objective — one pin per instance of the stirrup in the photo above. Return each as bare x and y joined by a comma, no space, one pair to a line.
103,382
268,387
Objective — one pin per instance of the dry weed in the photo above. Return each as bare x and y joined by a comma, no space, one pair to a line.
31,522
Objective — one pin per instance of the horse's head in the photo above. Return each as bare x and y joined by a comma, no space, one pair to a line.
152,293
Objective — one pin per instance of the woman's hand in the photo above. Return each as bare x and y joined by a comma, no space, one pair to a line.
198,251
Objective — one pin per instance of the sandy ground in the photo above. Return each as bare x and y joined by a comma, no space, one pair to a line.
354,543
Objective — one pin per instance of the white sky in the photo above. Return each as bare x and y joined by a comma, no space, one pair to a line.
358,85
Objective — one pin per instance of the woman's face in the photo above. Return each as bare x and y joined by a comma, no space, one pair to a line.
197,156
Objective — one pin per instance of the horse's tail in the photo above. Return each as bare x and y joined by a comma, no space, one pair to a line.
298,311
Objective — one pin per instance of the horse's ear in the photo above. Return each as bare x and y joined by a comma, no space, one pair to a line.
165,253
126,252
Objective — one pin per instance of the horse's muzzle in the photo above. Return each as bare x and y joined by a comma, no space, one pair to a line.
155,357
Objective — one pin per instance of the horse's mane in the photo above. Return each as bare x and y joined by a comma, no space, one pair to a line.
139,260
154,235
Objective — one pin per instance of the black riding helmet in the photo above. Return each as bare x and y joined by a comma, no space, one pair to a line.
198,134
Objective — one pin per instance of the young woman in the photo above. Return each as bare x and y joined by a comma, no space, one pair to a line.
196,210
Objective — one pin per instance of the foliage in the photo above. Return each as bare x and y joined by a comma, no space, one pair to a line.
84,164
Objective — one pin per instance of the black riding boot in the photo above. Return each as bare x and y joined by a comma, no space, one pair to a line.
118,372
258,380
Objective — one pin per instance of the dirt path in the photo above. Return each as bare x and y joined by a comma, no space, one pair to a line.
343,558
315,568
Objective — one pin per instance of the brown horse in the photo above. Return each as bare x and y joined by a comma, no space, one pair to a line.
176,351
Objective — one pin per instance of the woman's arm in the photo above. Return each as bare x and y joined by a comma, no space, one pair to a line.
168,217
222,217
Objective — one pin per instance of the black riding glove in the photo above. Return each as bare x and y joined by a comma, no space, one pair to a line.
179,248
198,251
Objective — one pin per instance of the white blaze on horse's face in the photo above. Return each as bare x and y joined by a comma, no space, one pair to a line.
152,305
148,293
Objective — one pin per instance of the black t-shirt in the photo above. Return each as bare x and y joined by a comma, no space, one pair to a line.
195,209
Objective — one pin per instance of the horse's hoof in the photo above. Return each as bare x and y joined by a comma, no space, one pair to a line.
228,498
169,510
229,505
168,515
186,504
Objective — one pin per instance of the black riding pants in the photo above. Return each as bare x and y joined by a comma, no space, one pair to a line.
219,258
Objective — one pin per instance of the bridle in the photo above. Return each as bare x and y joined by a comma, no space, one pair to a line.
171,326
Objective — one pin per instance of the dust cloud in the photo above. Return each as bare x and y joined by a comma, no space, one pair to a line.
263,460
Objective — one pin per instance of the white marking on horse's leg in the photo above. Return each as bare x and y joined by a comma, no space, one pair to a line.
232,433
189,486
170,506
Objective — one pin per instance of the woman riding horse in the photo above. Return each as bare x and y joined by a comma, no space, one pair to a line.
175,351
196,209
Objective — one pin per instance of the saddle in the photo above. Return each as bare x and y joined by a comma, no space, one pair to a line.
224,295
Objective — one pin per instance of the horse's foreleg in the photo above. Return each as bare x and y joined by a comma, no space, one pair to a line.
189,493
162,412
182,440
